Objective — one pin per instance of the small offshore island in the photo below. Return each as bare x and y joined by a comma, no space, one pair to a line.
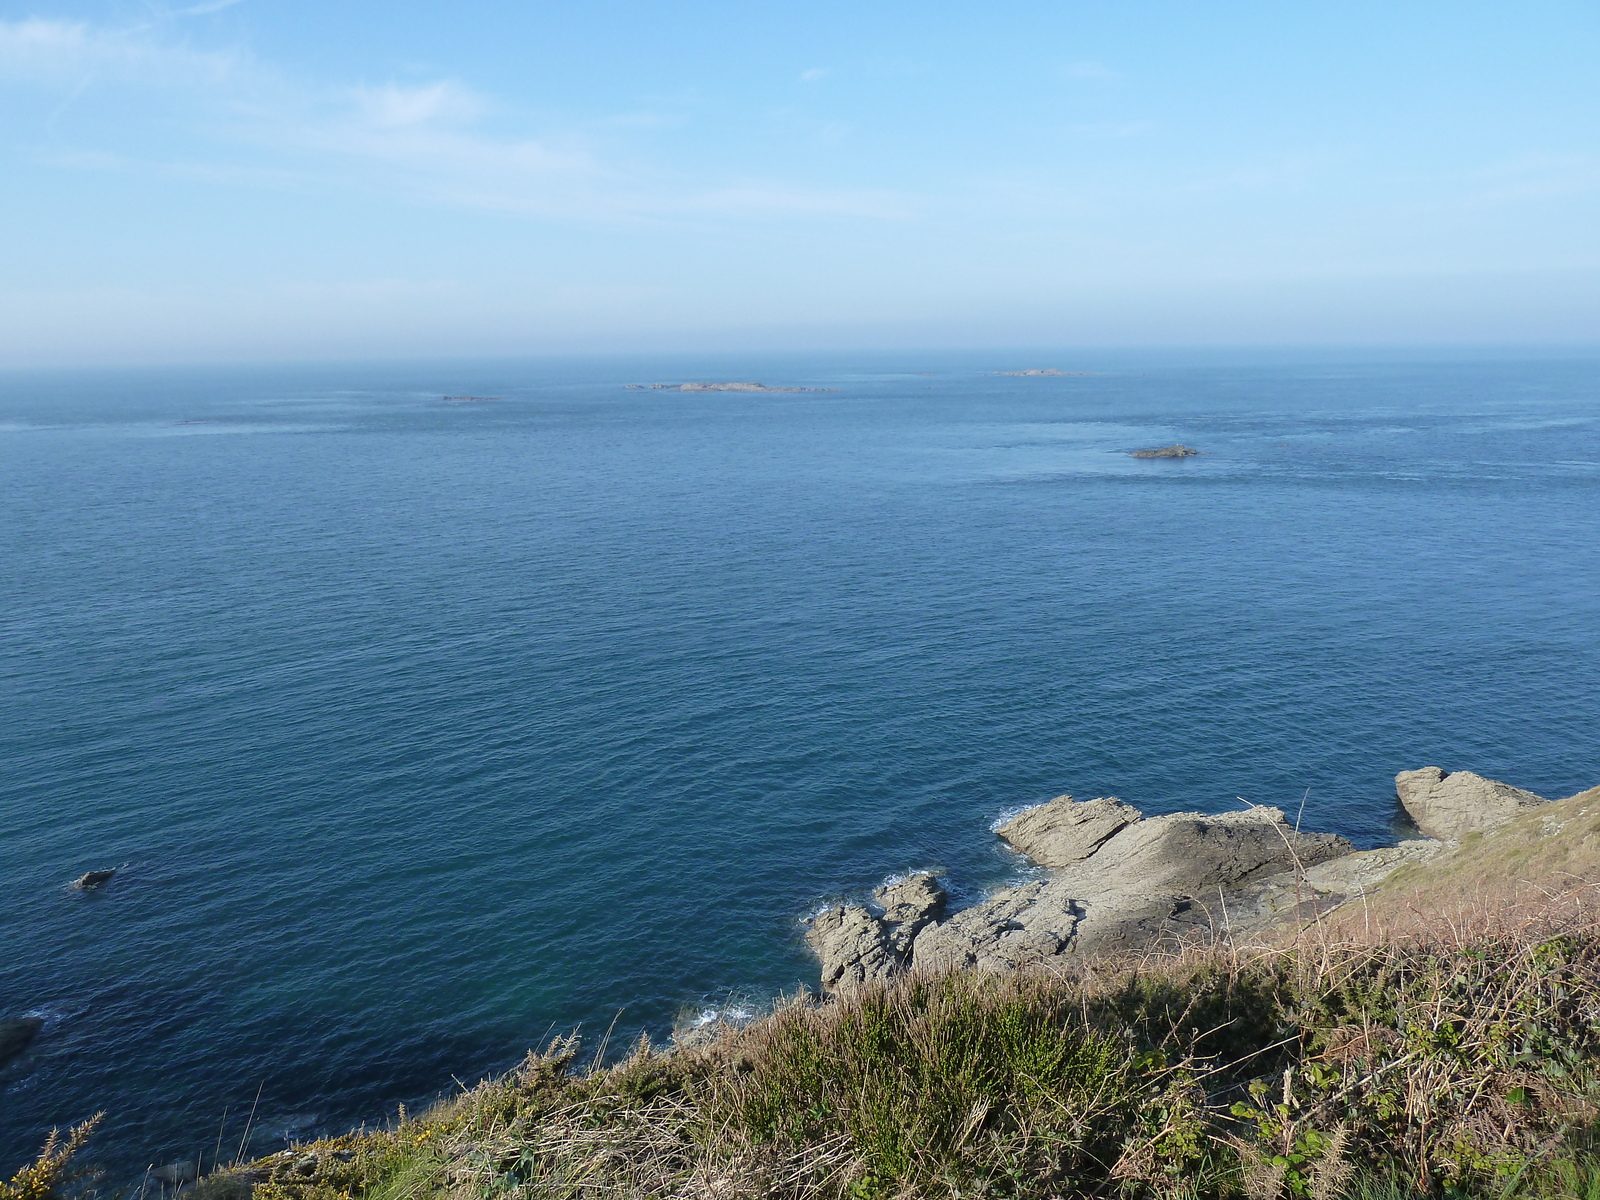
723,387
1186,1007
1177,451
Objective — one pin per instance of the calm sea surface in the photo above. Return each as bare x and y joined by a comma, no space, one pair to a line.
426,729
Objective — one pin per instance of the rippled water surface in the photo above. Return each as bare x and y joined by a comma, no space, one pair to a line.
425,728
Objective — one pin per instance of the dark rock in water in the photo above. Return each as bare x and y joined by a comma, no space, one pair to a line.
1167,452
90,880
1452,805
16,1036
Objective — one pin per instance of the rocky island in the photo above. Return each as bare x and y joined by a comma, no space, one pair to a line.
1122,881
1044,371
737,386
1178,451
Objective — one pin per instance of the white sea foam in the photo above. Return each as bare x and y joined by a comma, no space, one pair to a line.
51,1016
1008,814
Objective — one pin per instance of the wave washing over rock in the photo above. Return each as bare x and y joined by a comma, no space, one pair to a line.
1122,881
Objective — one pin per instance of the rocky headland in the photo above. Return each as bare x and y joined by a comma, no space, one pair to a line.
1121,881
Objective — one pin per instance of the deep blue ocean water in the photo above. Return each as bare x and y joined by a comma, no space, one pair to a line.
428,729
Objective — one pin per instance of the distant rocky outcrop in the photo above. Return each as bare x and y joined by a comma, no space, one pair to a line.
1123,881
1178,451
1043,371
1450,805
737,386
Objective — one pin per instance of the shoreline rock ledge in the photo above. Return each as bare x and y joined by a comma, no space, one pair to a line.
1119,880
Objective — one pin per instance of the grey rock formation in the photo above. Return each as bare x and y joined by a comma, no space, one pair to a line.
1296,897
1153,881
1452,805
1120,881
909,905
1352,874
16,1035
1178,451
854,948
857,947
1013,927
1063,831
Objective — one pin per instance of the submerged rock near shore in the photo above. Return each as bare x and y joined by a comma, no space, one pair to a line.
16,1035
1124,881
1178,451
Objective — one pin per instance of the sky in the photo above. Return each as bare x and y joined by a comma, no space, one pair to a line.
267,180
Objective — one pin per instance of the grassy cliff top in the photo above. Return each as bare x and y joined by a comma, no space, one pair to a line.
1438,1038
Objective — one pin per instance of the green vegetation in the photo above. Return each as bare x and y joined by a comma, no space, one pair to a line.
1440,1039
54,1172
1404,1069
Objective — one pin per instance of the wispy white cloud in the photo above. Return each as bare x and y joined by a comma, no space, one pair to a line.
815,73
436,142
394,106
67,53
1087,69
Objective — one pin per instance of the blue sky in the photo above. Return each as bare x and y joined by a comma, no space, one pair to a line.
278,179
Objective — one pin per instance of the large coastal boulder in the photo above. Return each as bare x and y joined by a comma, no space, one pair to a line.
909,905
854,948
1155,880
857,947
1451,805
1063,831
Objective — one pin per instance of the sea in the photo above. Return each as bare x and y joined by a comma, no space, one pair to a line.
421,731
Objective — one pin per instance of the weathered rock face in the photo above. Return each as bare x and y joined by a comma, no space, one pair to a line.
1151,881
1122,881
1064,831
1297,897
857,947
909,905
1452,805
